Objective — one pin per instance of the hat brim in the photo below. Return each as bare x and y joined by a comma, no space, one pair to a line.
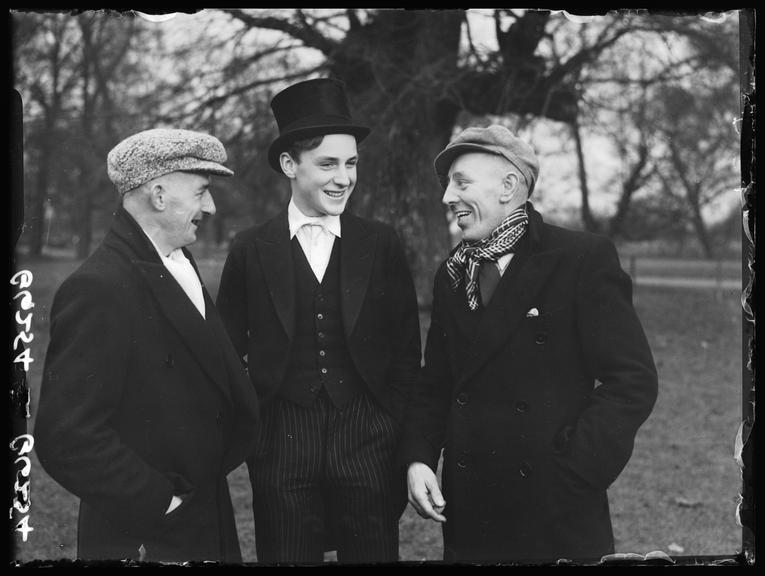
444,160
284,140
208,167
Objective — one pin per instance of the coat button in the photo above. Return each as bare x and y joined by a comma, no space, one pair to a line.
463,398
321,334
521,407
541,338
169,362
320,316
323,370
322,353
462,462
525,469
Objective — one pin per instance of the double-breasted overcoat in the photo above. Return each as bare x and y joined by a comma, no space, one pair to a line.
143,398
535,400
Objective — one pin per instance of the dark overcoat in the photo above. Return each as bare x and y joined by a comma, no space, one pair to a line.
535,401
142,398
378,305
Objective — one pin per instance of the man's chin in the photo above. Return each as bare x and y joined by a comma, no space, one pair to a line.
474,234
335,210
467,236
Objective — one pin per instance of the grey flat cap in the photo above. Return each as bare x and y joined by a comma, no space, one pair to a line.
494,139
152,153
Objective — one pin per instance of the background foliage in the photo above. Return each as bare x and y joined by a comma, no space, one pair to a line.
632,113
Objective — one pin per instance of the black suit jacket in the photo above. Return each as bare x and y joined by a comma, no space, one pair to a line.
142,398
536,401
256,300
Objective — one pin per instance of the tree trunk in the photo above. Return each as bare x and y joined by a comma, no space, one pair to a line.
411,122
699,226
36,221
84,225
692,198
589,222
631,185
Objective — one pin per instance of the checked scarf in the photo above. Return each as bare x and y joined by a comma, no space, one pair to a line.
470,255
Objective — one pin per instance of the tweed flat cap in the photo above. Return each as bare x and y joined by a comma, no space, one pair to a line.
152,153
494,139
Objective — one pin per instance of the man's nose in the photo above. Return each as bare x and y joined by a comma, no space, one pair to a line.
208,204
342,177
449,195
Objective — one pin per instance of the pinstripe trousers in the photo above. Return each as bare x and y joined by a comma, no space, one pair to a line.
325,478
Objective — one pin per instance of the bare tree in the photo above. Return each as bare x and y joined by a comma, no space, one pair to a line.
104,46
413,76
44,65
631,95
75,75
702,151
411,73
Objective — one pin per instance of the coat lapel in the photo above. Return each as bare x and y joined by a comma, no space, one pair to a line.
275,252
172,300
356,259
186,320
515,294
466,320
217,331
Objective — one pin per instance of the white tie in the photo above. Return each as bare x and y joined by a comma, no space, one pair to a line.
317,247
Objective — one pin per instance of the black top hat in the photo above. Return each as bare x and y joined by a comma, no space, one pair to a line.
311,108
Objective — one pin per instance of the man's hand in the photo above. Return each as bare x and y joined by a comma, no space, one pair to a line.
424,493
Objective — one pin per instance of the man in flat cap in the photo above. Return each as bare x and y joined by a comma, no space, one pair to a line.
322,305
144,406
527,319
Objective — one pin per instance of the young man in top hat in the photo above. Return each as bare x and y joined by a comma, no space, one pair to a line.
322,306
526,318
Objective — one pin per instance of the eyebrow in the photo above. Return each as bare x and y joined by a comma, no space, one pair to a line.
335,159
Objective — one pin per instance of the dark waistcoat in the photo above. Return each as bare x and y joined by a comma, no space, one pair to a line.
319,357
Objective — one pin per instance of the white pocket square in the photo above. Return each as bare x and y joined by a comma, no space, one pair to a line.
532,313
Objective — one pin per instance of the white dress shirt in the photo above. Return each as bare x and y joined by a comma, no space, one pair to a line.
183,272
316,235
503,261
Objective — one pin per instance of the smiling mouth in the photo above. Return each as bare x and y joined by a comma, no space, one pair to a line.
196,222
335,193
462,214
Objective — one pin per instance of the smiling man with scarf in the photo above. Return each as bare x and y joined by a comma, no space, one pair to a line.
537,371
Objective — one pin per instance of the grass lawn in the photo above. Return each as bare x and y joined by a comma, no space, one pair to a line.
677,494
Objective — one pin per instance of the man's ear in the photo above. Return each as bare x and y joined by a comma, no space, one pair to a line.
287,163
157,196
510,185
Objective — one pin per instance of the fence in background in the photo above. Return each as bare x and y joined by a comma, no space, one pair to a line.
718,275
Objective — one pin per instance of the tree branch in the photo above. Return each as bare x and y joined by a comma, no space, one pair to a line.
575,62
353,19
219,99
309,36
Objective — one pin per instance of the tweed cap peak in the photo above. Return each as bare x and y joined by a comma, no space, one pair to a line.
159,151
494,139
